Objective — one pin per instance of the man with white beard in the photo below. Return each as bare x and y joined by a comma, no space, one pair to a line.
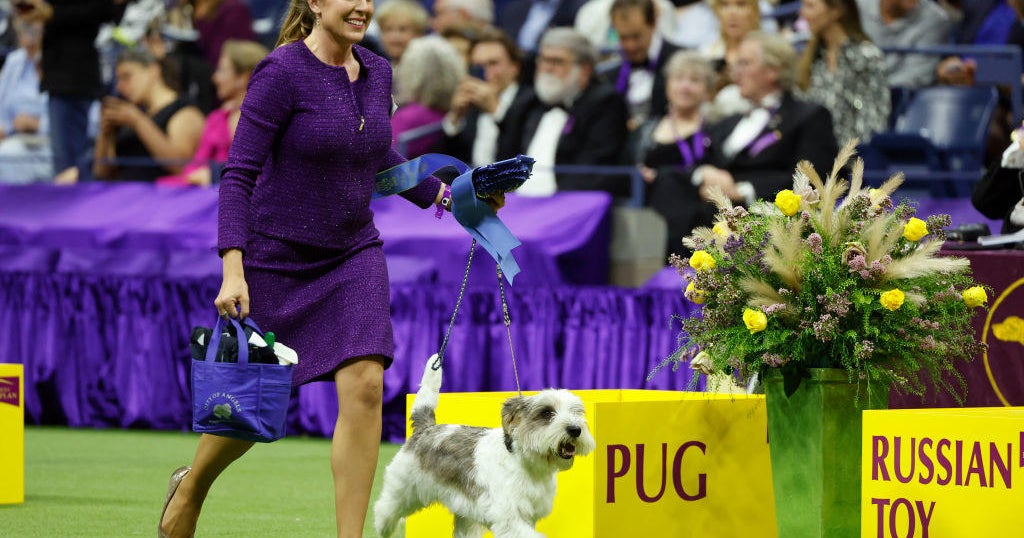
571,119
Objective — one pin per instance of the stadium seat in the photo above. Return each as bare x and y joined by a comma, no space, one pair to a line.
941,133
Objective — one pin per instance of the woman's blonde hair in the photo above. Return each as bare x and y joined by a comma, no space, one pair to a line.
691,61
298,23
428,73
243,54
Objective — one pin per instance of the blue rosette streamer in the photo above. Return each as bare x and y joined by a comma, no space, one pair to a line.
469,192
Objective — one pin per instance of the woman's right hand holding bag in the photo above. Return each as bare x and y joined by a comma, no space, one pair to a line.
233,298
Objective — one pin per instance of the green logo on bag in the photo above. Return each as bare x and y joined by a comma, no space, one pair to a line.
222,411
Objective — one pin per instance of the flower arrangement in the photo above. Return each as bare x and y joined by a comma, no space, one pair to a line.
815,280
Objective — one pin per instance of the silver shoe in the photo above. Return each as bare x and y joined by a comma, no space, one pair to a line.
176,477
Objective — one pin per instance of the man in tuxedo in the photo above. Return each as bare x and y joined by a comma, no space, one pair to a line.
526,20
638,75
482,99
570,118
754,155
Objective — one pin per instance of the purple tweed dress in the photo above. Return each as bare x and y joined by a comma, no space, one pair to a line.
295,196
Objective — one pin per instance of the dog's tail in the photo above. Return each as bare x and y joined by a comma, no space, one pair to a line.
426,399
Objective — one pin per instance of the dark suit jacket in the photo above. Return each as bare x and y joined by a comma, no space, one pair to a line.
659,103
805,131
460,146
996,194
511,19
596,134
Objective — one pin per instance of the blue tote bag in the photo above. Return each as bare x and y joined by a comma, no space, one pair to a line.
239,399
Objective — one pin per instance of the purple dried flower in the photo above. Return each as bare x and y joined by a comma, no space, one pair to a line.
814,242
857,263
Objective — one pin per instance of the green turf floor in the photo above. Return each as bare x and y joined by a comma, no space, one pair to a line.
111,483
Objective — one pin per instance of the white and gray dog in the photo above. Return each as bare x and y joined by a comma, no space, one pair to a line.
502,479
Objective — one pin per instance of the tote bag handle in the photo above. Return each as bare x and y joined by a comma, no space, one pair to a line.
243,344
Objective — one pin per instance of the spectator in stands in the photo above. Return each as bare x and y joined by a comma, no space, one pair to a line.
25,154
147,120
639,74
694,21
473,126
1000,194
525,21
907,23
669,146
218,21
754,155
400,22
476,13
461,37
186,61
736,19
842,70
572,119
594,21
70,68
425,82
237,61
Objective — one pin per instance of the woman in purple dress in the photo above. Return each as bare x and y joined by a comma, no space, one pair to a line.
299,246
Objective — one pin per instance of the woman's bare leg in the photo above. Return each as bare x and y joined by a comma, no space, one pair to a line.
213,455
356,441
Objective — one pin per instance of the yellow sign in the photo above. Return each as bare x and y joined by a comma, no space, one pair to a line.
12,434
942,472
666,464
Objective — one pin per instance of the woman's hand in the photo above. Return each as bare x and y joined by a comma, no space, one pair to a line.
233,298
200,176
117,112
648,174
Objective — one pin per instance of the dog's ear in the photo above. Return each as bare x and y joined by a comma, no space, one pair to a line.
511,414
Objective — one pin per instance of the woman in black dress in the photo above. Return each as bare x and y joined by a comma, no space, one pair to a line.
670,146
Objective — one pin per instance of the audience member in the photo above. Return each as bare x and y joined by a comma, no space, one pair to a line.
482,99
571,119
147,121
907,23
842,70
754,155
192,75
25,154
70,68
670,146
594,21
639,74
237,61
694,22
475,13
218,21
425,82
525,21
999,194
400,22
736,19
461,37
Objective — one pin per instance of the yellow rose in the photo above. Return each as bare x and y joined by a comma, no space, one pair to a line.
788,202
721,229
755,320
974,296
914,229
694,294
702,261
892,299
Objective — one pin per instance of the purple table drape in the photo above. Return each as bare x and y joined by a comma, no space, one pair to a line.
565,237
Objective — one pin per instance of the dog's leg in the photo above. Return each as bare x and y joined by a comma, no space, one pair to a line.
514,528
396,497
467,528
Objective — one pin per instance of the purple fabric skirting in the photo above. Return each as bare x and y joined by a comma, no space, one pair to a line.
103,350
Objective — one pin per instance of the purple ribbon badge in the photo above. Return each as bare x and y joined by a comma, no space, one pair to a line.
569,123
10,392
764,141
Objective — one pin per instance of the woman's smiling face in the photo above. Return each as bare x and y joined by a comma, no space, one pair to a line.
344,19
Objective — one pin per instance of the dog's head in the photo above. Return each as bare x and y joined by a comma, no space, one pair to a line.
550,427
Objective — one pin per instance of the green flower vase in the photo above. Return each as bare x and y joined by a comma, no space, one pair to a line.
814,441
